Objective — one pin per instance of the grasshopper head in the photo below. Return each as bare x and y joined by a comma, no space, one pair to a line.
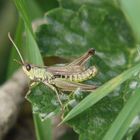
30,71
33,72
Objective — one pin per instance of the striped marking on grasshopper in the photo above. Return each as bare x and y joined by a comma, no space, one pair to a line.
80,77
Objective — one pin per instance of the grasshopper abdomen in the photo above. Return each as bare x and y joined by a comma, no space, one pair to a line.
79,77
87,74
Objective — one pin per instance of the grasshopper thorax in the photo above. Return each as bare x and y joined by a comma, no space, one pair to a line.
35,73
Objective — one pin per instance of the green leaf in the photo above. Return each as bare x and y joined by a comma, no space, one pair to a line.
43,101
69,33
76,4
61,38
125,118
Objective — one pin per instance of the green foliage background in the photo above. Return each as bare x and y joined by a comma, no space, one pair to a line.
112,28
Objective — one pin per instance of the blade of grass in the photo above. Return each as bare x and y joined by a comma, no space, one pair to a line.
32,48
125,117
41,128
38,12
131,10
101,92
32,51
22,8
35,57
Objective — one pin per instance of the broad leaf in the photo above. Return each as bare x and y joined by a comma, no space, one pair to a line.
69,33
43,101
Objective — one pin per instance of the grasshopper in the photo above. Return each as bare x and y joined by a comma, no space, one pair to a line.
61,78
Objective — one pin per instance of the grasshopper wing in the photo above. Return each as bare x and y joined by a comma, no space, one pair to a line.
66,85
65,70
77,66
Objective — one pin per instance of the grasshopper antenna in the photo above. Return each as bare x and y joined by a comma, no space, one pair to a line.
9,36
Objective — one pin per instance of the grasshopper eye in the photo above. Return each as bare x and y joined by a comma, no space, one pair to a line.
28,67
91,51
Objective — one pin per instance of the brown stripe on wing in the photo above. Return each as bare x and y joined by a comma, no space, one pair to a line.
84,58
